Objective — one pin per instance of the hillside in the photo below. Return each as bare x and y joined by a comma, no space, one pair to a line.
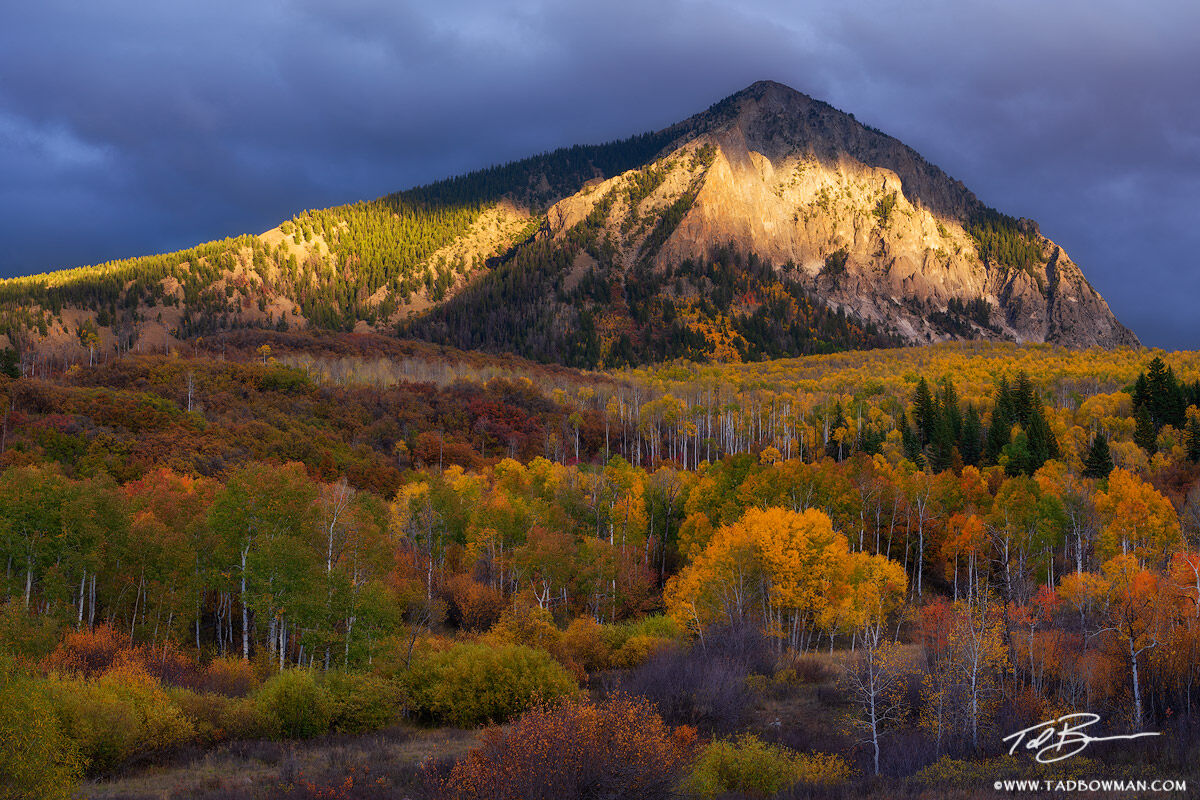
769,225
339,565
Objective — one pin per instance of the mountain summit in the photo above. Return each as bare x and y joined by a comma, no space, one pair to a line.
771,224
768,225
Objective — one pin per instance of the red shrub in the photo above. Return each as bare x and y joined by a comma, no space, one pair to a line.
88,653
577,749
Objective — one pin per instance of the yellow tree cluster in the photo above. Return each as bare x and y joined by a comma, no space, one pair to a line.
792,573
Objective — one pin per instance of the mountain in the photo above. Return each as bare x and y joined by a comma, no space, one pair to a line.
771,224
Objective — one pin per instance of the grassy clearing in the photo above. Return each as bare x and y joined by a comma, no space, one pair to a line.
262,769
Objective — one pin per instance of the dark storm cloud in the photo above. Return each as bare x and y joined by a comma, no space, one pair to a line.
130,127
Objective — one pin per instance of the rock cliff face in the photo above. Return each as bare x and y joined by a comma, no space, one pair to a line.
862,221
770,225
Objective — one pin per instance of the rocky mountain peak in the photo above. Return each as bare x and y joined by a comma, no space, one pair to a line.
861,220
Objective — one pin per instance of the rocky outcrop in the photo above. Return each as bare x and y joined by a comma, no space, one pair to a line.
867,223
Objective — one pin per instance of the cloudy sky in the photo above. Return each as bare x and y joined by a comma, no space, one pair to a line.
131,127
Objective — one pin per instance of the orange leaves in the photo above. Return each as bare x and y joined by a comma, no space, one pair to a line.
790,567
88,653
1185,573
965,536
800,553
1136,519
577,748
1083,591
875,587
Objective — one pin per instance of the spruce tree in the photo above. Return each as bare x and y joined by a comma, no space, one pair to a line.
1191,394
941,448
970,443
1024,398
910,443
924,412
1042,444
1162,395
950,409
1141,391
1018,455
1098,461
1000,429
1144,435
1193,440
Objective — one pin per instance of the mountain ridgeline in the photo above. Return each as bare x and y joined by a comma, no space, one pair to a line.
769,225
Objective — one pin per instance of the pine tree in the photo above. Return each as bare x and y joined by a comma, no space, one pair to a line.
1042,444
1001,427
1141,391
1098,461
910,443
1193,440
1144,435
1024,398
970,443
950,409
924,412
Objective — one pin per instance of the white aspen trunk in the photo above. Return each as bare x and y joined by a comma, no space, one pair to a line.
245,610
1137,691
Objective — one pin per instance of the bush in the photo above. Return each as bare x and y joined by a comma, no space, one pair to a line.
36,758
217,718
232,677
693,686
527,625
630,644
122,714
576,749
471,605
656,626
947,771
363,703
806,668
638,649
471,684
293,704
93,652
748,764
87,652
583,643
24,635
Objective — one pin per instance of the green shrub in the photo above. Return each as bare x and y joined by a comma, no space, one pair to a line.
218,718
947,771
36,758
471,684
25,635
751,766
637,650
295,705
583,643
656,626
123,713
363,703
232,677
631,643
526,625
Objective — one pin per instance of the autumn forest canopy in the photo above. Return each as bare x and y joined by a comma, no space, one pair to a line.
544,482
902,554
